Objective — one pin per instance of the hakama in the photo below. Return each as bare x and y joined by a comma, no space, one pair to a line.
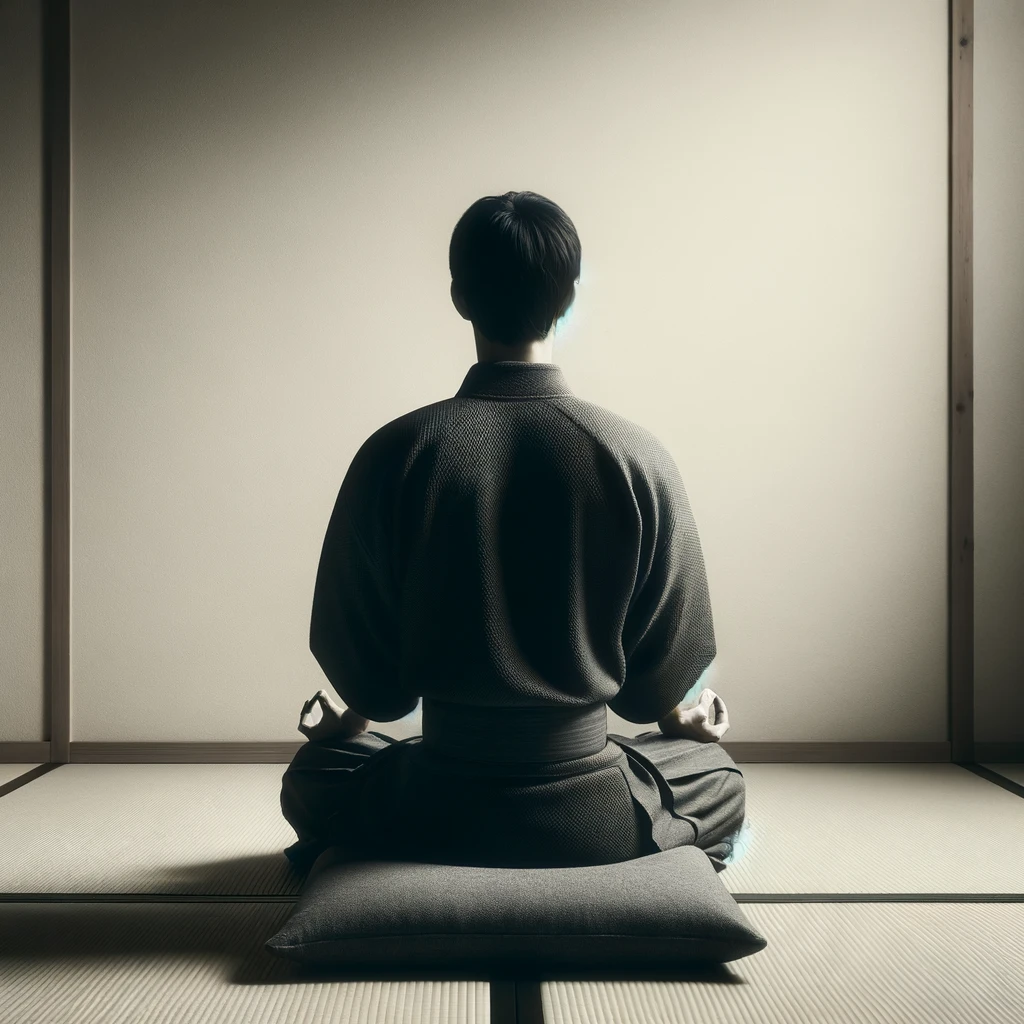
395,799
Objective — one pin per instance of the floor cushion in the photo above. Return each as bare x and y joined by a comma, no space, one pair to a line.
663,910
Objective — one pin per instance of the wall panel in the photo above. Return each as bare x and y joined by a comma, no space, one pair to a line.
263,199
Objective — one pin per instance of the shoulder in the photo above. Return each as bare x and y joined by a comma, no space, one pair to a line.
644,460
388,450
631,442
397,436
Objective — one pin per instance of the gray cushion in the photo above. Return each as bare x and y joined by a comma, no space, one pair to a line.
663,910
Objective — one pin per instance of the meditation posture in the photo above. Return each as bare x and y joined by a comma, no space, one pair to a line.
519,559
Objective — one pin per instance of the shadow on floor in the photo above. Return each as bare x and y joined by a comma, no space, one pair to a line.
256,875
720,973
229,937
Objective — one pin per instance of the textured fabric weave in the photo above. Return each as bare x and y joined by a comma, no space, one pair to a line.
666,910
513,547
530,735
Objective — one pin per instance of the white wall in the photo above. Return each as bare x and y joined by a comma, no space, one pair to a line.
263,198
22,377
999,371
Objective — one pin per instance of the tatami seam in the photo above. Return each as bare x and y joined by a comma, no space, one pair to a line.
994,777
30,776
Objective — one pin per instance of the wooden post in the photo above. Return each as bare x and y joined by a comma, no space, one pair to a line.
57,135
961,384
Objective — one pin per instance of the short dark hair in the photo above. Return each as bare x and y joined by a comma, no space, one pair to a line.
515,259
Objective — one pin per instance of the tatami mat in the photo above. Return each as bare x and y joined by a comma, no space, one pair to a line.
156,828
878,828
1010,771
217,829
840,963
124,963
8,772
165,963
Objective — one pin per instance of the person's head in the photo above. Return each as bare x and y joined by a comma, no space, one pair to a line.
514,261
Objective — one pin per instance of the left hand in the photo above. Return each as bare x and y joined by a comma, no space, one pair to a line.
335,723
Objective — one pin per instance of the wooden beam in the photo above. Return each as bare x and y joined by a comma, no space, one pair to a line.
961,382
57,135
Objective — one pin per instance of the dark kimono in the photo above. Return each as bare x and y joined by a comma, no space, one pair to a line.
519,559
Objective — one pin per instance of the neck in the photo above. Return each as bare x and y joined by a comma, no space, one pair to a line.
539,351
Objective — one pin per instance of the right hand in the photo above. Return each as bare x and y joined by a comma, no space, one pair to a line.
335,723
706,721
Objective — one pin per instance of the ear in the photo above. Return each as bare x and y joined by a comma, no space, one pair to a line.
457,301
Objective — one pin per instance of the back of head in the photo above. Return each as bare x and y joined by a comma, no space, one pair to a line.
515,260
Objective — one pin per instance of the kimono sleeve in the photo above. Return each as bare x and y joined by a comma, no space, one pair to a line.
669,634
354,629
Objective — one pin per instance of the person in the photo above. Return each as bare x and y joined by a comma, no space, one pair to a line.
518,560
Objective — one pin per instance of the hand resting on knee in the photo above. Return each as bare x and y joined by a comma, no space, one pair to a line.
335,723
706,721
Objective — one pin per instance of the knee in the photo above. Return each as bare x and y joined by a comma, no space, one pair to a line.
739,785
733,797
292,806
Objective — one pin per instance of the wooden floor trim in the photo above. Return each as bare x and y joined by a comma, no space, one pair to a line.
282,752
25,752
38,752
187,753
999,753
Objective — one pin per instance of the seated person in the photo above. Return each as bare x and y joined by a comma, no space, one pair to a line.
519,559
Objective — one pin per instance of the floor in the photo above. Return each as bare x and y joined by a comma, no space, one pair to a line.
144,893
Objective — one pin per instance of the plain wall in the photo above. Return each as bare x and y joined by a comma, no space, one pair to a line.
263,199
999,371
22,377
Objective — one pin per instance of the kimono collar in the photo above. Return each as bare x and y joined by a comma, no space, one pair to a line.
511,378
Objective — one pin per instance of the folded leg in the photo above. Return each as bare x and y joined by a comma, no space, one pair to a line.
706,785
319,785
